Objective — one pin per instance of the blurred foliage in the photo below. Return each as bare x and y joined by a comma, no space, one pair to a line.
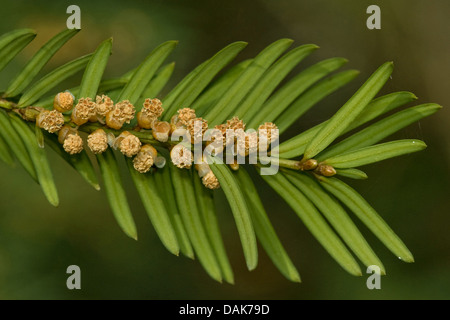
38,242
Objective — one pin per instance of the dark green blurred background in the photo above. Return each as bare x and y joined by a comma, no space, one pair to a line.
38,242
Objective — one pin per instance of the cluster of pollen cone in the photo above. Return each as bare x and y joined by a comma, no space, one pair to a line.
185,123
